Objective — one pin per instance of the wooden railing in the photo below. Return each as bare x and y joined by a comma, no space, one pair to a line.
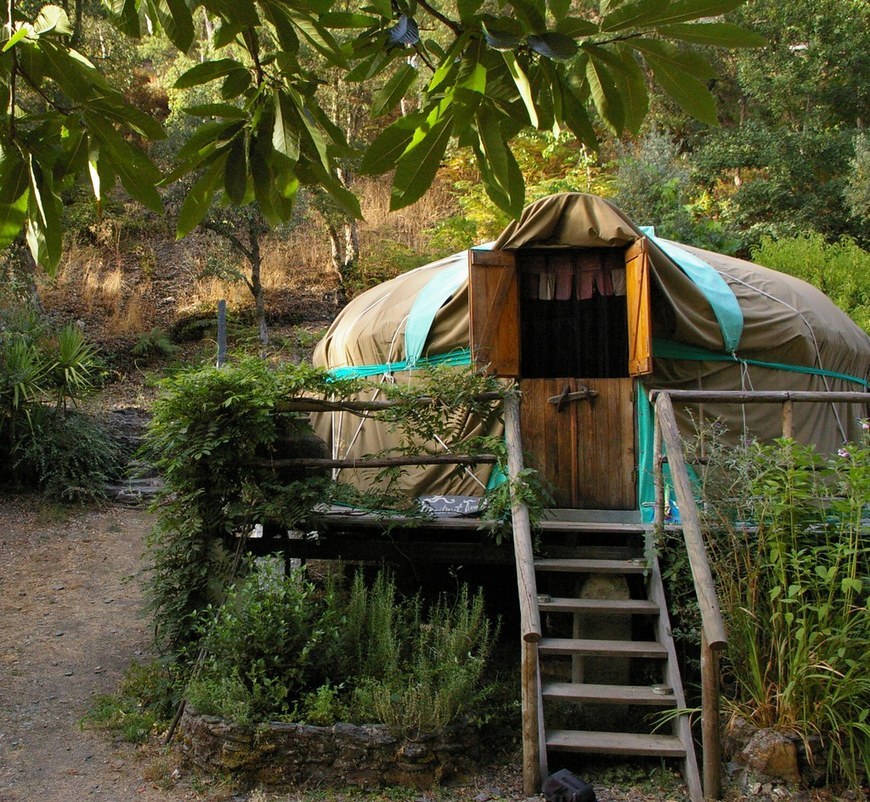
534,753
713,636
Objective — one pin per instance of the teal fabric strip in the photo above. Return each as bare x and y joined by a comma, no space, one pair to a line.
458,358
714,288
667,349
430,299
646,492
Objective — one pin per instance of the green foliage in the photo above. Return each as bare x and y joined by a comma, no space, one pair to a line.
212,435
70,457
790,552
155,343
279,649
841,270
143,703
653,187
436,676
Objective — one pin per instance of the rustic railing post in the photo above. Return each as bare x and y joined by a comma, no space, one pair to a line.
788,418
534,756
710,720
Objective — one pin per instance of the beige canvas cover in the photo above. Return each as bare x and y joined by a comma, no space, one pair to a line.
787,325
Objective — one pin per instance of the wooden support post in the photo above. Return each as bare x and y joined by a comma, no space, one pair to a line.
222,333
658,473
533,756
534,749
710,720
788,419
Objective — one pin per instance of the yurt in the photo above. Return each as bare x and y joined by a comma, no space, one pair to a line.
588,312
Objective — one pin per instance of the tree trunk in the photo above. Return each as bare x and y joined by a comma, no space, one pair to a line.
256,285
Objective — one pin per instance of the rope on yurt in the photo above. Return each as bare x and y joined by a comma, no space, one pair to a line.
812,335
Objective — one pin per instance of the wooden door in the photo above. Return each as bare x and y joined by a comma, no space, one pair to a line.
584,446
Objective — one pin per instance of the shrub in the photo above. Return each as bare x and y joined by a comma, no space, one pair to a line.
279,649
790,552
841,270
70,457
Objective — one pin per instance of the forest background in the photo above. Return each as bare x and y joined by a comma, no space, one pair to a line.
783,176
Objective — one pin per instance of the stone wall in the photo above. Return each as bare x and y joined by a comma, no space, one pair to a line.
366,756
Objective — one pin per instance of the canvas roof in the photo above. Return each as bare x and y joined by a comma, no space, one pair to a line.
718,322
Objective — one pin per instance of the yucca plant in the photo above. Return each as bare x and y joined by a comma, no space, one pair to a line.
75,369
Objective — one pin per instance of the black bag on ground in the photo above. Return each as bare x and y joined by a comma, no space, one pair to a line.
563,786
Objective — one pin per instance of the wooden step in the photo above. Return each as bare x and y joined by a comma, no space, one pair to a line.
556,604
614,743
602,648
575,566
607,694
593,527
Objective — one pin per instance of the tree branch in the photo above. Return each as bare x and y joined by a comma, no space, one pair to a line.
454,26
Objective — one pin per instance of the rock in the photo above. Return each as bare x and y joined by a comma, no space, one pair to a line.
772,754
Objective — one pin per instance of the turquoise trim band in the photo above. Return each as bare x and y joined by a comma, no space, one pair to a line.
714,288
667,349
431,298
458,358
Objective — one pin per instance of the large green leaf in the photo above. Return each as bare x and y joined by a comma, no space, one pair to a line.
632,15
52,19
207,71
493,148
318,36
576,27
198,200
179,25
216,110
287,38
14,188
236,170
236,12
309,129
347,19
559,8
285,134
576,118
125,16
631,85
689,93
418,165
16,37
688,10
388,96
718,34
521,81
468,8
264,185
43,229
553,45
531,14
203,140
235,84
137,173
112,106
677,59
602,87
385,151
510,199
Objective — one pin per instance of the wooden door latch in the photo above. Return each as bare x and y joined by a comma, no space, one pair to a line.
583,393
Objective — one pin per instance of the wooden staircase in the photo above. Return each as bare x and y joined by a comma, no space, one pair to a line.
639,643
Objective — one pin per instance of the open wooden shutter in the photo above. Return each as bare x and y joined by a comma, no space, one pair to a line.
637,291
494,311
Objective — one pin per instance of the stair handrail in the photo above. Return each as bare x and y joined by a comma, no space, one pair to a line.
702,575
534,754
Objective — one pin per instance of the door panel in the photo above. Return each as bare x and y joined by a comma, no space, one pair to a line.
586,448
493,289
637,290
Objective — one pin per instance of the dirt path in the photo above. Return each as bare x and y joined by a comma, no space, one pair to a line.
70,624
